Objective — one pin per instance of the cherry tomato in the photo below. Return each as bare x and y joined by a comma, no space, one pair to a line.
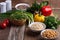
46,10
4,23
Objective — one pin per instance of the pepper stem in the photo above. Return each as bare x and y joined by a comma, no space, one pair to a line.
40,13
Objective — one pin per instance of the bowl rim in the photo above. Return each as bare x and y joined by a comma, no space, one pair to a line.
44,26
21,4
48,29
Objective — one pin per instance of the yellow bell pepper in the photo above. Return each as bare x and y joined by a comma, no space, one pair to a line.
39,18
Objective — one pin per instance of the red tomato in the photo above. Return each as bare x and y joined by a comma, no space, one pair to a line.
46,10
4,23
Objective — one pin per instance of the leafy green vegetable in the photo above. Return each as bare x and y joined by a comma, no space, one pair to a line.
37,7
19,14
43,3
51,22
7,14
30,17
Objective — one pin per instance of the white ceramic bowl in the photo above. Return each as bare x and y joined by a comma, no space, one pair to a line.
22,4
30,26
48,38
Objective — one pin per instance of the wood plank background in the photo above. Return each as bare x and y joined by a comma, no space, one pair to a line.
53,3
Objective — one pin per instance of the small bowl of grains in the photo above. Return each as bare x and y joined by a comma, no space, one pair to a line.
37,26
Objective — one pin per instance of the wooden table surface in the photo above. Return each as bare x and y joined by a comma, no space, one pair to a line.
28,35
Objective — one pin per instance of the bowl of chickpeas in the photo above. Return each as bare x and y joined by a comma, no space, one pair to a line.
49,34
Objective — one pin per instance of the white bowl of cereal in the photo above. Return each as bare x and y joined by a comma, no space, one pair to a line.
49,34
37,26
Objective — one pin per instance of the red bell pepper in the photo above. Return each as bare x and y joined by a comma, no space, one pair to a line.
46,10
